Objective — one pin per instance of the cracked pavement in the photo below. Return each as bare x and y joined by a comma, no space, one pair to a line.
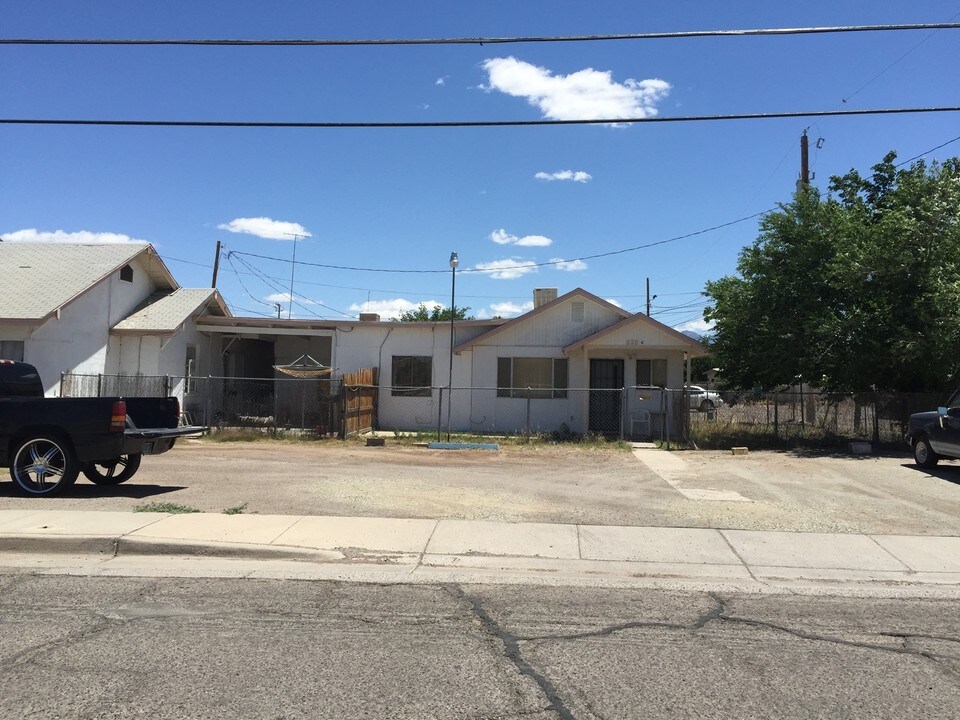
97,647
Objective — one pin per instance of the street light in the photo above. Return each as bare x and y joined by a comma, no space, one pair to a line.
454,262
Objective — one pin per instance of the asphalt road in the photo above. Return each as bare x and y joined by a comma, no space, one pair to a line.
558,484
73,647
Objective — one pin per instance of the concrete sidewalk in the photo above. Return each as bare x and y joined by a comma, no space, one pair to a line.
402,550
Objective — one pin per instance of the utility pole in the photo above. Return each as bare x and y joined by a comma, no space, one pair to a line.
648,297
293,269
804,181
216,267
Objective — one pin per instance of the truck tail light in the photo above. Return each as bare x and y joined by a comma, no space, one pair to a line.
118,416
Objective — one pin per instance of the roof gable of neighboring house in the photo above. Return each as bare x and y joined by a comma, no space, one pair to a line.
639,331
164,312
566,319
39,279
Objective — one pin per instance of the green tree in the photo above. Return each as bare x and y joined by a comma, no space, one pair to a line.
857,290
437,314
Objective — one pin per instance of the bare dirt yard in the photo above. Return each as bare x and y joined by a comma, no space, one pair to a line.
812,492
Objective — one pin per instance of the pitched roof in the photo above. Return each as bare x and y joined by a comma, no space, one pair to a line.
164,312
639,319
37,279
536,311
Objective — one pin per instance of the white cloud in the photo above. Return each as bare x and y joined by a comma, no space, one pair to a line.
568,265
509,269
285,298
84,237
266,228
391,309
699,325
502,237
509,309
614,302
442,80
583,95
575,175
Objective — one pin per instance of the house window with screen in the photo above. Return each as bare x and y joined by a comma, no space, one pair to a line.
521,377
126,274
652,372
412,375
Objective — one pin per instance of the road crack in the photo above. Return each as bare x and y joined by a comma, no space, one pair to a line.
511,650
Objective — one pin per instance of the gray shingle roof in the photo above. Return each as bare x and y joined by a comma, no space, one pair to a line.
165,312
38,278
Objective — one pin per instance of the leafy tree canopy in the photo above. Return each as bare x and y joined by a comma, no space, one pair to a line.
437,314
856,290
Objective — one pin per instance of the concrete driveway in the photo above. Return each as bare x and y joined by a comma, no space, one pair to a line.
563,484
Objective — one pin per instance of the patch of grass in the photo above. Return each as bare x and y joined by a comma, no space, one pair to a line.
722,435
235,510
533,441
165,507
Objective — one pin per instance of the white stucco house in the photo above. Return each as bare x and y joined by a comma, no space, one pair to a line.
574,362
565,363
111,309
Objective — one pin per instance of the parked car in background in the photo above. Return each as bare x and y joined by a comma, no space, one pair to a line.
702,399
48,442
936,433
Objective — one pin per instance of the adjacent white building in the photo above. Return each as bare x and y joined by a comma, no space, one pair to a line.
98,309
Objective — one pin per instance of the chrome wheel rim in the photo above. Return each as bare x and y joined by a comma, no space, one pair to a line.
40,465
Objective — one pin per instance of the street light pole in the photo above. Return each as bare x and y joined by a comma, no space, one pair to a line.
454,262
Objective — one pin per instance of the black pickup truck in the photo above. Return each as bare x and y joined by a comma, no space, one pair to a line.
935,434
48,442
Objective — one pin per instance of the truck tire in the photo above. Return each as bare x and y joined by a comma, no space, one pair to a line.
924,454
43,466
107,473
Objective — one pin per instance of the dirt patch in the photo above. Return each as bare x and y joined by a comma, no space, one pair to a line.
564,483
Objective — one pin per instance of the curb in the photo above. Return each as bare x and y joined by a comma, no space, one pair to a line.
116,546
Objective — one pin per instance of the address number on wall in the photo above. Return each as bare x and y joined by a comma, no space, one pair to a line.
634,341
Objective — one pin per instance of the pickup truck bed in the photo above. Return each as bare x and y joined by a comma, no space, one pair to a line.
48,442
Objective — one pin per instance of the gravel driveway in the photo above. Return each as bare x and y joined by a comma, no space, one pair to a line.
775,490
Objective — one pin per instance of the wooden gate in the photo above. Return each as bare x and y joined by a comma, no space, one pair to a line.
359,402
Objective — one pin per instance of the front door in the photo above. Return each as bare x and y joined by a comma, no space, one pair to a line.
606,382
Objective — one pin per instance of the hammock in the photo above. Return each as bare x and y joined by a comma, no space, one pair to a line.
304,367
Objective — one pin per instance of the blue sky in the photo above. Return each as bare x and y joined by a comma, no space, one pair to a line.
403,199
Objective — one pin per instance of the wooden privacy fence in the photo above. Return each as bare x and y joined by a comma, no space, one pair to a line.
359,393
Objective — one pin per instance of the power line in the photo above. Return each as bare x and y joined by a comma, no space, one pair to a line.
474,123
490,40
514,267
927,152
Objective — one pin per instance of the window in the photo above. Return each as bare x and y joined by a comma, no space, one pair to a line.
126,274
11,350
545,377
412,375
190,369
652,372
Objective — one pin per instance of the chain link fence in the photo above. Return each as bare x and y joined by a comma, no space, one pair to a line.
810,416
328,407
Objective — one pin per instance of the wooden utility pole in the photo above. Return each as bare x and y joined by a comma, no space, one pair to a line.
804,162
216,267
648,297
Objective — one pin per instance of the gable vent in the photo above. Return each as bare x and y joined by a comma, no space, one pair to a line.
576,312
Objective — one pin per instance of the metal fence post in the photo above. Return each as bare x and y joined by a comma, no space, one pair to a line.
527,428
623,411
876,419
99,383
440,415
303,408
206,403
776,415
166,386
